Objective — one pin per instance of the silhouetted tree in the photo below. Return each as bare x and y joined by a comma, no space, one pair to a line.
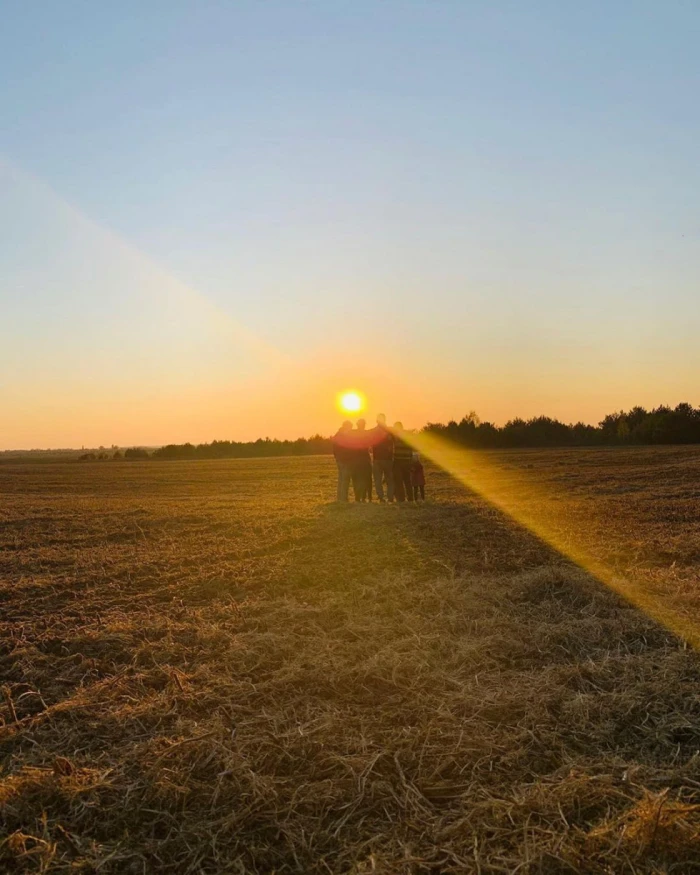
660,426
136,454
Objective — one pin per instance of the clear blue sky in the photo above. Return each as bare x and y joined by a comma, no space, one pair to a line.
208,210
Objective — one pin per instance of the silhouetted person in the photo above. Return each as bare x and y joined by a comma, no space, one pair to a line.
418,478
383,459
403,460
343,452
361,465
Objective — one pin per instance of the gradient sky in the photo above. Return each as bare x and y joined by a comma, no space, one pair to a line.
213,216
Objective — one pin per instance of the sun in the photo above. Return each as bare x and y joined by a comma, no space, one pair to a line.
351,402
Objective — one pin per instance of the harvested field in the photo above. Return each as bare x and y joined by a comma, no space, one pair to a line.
207,667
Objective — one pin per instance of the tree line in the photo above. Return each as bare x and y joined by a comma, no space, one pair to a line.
661,425
262,447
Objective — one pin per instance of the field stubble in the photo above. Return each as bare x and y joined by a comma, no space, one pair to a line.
209,668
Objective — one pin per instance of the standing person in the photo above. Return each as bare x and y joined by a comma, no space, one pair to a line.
342,450
382,442
418,478
361,463
403,460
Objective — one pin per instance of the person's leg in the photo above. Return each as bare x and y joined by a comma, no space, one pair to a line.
356,477
378,470
342,490
389,476
399,483
346,482
422,492
408,483
368,481
359,482
415,492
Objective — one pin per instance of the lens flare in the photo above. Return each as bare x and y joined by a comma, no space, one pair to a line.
351,402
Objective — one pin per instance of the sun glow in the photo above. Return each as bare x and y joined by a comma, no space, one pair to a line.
351,402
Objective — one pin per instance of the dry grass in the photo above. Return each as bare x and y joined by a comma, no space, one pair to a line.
208,668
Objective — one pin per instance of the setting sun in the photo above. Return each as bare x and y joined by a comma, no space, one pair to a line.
351,402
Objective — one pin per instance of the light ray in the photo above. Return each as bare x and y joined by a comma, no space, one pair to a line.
532,505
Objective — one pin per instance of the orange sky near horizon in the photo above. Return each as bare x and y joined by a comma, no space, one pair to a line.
297,401
119,350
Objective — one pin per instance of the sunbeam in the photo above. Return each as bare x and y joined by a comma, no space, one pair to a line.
536,507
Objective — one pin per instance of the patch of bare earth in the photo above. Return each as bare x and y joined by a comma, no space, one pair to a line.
207,668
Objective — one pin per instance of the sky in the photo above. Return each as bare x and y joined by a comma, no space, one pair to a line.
215,216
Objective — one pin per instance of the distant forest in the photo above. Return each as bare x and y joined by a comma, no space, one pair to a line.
663,425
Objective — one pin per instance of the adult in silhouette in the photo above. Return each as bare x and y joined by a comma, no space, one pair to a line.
343,452
382,442
361,466
403,462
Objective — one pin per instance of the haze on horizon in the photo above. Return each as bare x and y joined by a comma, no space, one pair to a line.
213,217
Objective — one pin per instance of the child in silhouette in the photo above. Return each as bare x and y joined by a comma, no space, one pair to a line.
418,478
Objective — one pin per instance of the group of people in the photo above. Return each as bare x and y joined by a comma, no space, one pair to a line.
380,454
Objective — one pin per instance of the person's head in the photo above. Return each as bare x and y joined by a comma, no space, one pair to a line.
361,424
381,419
398,426
346,426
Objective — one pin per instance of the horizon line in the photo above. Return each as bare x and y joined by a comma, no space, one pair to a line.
156,446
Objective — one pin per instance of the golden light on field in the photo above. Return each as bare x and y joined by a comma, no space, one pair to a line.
534,506
351,402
